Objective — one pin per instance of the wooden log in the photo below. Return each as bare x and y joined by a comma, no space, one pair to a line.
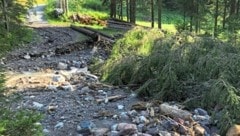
172,111
119,23
95,35
118,27
111,98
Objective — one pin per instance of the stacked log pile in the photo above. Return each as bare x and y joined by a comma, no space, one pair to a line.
86,19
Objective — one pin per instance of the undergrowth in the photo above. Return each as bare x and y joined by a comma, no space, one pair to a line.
196,71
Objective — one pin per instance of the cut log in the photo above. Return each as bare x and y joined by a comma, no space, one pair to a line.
111,98
172,111
95,35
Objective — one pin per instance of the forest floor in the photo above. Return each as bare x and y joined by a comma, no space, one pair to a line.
51,76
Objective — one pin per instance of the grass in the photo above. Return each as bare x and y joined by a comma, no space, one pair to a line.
199,72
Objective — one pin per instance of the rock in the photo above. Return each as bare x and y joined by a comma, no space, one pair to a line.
59,125
170,124
89,98
114,133
127,129
52,87
234,130
46,131
143,134
199,130
200,111
114,127
120,107
37,105
123,115
100,131
27,56
68,88
62,66
140,127
133,113
183,130
152,131
205,120
151,112
52,108
139,106
143,119
58,78
87,125
164,133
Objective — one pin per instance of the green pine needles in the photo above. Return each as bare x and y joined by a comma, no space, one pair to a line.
193,70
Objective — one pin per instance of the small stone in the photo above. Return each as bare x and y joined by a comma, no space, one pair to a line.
133,113
205,120
200,111
37,105
58,78
153,131
127,129
89,98
62,66
170,124
100,91
140,127
151,112
52,108
52,87
123,115
183,130
120,107
114,133
143,119
199,130
46,131
27,56
87,125
59,125
164,133
100,131
114,127
144,113
143,134
68,88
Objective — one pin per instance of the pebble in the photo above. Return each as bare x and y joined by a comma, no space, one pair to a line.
37,105
62,66
164,133
27,56
200,111
100,131
120,107
127,129
143,119
46,131
59,125
52,87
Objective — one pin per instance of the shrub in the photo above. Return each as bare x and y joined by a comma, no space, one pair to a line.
193,70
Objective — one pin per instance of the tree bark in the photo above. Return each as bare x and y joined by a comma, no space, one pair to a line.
127,10
133,11
224,14
121,9
159,14
216,19
152,12
113,6
66,1
4,9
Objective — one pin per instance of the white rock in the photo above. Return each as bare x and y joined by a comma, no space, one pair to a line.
62,66
27,56
120,107
52,87
46,131
68,88
58,78
59,125
37,105
114,127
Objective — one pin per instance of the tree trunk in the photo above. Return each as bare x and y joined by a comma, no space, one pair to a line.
216,19
133,11
121,9
197,18
224,14
159,14
6,21
152,12
127,10
113,6
66,1
191,23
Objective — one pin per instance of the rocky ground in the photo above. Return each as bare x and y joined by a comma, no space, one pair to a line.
51,74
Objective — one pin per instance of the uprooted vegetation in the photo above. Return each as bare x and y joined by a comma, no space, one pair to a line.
196,71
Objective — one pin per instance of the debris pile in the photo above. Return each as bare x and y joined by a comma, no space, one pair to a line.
86,19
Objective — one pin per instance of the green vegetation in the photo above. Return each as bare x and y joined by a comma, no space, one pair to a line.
193,70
